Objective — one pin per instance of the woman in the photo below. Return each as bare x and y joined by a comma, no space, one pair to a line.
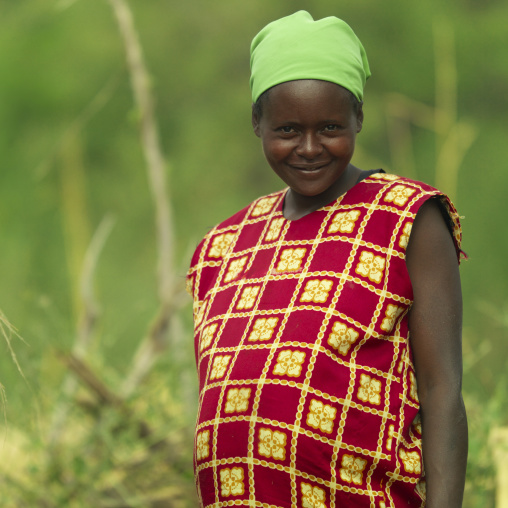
327,315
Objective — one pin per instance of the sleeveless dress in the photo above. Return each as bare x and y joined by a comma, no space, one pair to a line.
307,389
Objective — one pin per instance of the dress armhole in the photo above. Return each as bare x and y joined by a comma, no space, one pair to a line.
451,218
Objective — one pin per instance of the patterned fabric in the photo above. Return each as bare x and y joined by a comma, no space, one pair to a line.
308,394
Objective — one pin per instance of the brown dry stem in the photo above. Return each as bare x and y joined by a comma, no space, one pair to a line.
453,136
86,324
156,341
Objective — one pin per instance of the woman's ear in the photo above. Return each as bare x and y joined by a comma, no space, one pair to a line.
255,121
359,118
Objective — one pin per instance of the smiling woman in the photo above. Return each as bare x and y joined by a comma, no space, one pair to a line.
333,307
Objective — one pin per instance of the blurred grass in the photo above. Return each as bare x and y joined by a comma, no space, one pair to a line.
106,458
71,155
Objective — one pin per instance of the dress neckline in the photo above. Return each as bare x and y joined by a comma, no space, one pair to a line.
363,177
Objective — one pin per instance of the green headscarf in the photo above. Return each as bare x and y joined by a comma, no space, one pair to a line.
297,47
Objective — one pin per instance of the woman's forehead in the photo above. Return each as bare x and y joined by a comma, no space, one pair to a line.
311,92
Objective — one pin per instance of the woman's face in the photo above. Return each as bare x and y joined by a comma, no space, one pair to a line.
308,130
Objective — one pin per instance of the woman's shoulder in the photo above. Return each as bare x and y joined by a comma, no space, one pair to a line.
219,238
410,195
392,180
401,192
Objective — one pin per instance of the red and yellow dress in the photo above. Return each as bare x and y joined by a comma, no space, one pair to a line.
307,390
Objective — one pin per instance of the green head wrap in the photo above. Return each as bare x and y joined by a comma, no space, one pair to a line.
297,47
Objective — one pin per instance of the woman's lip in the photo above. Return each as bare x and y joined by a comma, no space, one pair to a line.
309,167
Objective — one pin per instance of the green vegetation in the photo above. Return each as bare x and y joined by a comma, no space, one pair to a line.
103,413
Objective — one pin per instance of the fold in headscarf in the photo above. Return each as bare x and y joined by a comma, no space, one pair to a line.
297,47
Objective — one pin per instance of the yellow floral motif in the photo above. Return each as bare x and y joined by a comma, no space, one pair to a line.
312,497
199,312
391,435
399,195
352,469
411,461
344,222
263,206
413,392
235,268
202,445
272,444
384,176
342,337
207,336
316,291
370,389
404,237
274,230
248,297
321,416
290,260
391,315
417,424
289,363
237,400
231,481
403,360
421,488
220,245
371,266
220,364
263,328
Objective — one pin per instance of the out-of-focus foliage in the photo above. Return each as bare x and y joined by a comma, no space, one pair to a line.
70,154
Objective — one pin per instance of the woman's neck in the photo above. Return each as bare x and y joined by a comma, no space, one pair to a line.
297,205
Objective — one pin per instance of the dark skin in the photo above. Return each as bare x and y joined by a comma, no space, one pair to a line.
308,129
435,323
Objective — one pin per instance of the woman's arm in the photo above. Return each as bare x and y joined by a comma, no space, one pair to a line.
435,324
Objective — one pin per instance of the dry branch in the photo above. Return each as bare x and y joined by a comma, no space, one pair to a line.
90,305
107,397
88,377
498,441
86,323
453,137
156,164
155,342
101,391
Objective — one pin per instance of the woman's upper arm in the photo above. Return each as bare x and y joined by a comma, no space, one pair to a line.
435,319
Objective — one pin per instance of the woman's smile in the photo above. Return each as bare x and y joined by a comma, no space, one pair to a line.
311,168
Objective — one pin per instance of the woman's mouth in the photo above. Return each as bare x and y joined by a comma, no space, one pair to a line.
309,167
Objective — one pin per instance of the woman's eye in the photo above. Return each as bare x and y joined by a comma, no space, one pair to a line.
286,129
331,127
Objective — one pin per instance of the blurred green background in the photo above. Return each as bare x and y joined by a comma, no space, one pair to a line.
70,154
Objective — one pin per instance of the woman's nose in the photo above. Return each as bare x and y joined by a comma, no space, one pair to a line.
309,146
